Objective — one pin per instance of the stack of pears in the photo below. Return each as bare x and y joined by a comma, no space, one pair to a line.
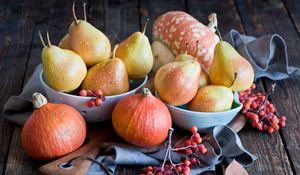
229,72
84,46
185,82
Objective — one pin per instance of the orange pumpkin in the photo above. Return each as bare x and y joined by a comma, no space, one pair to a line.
142,119
52,130
176,28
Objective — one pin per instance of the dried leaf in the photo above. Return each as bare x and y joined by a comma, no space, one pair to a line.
234,168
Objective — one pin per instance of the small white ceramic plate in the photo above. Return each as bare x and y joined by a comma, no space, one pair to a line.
94,114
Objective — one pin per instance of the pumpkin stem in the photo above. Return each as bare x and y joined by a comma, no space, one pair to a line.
146,92
38,100
213,22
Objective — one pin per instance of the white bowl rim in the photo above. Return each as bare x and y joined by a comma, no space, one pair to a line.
77,96
235,99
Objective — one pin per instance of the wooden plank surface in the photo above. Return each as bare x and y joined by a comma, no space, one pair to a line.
259,21
286,96
17,25
50,18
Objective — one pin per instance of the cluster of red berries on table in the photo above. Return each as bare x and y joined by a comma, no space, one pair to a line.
191,150
98,97
260,111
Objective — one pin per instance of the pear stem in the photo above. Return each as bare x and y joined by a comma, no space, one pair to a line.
145,26
48,39
219,34
74,14
84,11
186,47
197,48
235,76
114,51
41,38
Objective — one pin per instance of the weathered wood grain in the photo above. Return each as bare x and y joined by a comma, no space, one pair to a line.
17,25
153,9
258,19
293,7
228,17
116,18
55,17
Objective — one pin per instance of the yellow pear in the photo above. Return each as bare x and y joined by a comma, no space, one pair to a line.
137,55
212,98
109,75
204,78
177,82
64,70
226,63
86,40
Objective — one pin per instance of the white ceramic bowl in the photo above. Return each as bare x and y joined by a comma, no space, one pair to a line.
205,121
94,114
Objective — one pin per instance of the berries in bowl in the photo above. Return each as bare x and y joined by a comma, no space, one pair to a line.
89,104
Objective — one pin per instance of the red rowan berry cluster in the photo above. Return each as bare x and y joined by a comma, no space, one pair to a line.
98,99
260,111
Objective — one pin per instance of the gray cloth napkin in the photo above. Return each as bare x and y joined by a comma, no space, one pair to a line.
222,144
267,54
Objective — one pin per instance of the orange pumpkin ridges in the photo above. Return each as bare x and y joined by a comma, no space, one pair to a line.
52,130
142,119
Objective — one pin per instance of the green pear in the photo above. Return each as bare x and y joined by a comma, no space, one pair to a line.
64,70
212,98
226,63
177,82
109,75
87,41
137,55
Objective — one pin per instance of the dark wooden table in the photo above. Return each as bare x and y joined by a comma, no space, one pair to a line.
20,50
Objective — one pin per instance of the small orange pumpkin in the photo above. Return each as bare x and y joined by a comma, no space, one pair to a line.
176,28
52,130
142,119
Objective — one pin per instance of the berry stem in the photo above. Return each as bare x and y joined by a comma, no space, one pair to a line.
41,38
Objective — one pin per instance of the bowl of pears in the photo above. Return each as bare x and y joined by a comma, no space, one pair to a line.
205,98
83,72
